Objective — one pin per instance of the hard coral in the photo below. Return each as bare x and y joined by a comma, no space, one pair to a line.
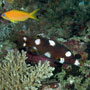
16,75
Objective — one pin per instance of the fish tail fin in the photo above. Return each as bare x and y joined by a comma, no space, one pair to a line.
33,16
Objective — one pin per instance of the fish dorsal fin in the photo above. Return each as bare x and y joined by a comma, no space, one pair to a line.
18,11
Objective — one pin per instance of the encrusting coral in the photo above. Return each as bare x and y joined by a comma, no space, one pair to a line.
15,74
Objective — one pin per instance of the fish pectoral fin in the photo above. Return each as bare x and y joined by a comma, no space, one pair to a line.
13,21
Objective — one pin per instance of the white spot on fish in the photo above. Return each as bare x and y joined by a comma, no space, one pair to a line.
52,43
77,63
25,38
24,44
47,54
34,48
61,60
68,54
37,41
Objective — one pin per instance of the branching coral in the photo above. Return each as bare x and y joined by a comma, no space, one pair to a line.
16,75
78,82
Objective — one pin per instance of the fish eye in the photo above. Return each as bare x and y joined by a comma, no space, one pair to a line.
3,14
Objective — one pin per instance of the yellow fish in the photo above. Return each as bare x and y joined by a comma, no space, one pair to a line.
16,15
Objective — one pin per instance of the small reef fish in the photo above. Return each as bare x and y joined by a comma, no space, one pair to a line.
16,15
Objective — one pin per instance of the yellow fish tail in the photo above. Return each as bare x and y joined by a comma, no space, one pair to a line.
33,16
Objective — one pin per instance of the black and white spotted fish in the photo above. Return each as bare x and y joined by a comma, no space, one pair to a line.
48,48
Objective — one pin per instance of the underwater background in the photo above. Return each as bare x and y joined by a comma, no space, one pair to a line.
36,26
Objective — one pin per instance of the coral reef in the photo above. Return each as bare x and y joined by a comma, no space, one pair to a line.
79,82
6,31
16,75
77,47
66,21
51,86
5,47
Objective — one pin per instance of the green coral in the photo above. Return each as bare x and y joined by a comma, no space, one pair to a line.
60,77
16,75
80,82
79,85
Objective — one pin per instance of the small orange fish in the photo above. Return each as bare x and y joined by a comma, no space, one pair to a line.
16,15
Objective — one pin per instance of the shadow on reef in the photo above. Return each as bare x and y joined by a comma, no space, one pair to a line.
88,50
